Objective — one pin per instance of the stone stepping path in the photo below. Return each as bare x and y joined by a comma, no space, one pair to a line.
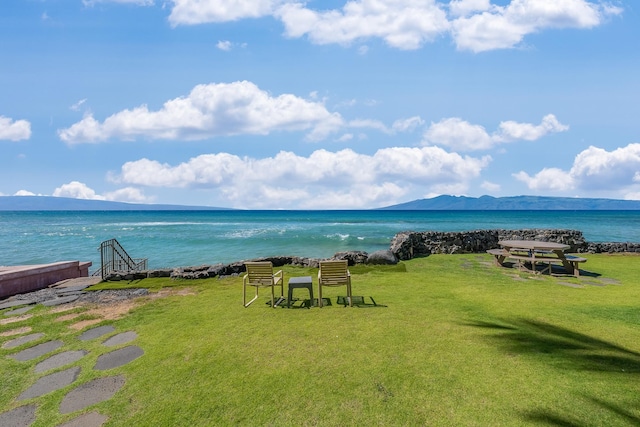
60,300
118,358
51,382
15,303
22,416
96,332
18,311
59,360
120,339
83,395
17,342
90,419
90,393
37,351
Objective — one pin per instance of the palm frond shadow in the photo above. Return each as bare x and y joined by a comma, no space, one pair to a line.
563,420
567,348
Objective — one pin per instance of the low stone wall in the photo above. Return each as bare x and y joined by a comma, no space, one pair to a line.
411,244
404,246
612,247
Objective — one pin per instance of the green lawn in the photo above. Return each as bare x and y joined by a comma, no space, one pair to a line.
458,342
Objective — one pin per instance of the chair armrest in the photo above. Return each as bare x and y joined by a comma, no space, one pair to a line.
244,279
278,276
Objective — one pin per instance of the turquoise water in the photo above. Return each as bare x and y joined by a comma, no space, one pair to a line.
185,238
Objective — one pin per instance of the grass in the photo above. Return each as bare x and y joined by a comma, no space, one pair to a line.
459,342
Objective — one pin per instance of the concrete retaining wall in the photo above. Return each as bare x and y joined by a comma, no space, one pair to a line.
27,278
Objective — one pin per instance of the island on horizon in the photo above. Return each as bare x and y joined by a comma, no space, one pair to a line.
453,203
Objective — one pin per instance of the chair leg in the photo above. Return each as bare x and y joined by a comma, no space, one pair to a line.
349,294
319,295
273,303
247,304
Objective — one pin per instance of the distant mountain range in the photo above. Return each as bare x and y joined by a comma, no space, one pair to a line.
48,203
516,203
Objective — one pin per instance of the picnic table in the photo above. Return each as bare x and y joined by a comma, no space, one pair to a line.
528,254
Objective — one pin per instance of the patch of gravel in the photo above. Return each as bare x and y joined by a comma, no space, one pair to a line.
94,297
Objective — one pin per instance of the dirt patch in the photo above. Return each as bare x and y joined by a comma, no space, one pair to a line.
15,319
168,292
66,317
104,312
84,323
17,331
63,308
118,309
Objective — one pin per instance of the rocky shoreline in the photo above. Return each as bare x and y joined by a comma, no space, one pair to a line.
404,246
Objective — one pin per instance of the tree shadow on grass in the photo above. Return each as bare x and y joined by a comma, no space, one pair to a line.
625,416
567,349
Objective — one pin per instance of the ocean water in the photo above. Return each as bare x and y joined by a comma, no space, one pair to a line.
188,238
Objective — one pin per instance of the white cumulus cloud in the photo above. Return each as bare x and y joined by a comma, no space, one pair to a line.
79,190
475,25
134,2
594,169
403,24
191,12
24,193
464,136
225,45
76,190
500,27
324,179
14,130
210,110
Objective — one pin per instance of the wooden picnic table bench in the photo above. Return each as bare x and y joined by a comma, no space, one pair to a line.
528,254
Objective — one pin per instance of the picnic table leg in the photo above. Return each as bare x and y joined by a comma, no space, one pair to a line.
568,265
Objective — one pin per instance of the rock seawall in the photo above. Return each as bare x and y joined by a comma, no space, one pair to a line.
411,244
404,246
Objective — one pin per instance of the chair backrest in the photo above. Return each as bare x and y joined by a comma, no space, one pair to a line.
334,272
260,272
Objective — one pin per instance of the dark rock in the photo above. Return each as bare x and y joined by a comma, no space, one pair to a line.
382,257
353,257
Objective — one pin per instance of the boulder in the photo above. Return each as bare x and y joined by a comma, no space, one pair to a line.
382,257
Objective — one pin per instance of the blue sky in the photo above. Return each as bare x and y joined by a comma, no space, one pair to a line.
278,104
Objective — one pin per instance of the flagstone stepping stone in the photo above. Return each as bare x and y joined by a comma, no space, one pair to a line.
51,382
90,393
90,419
16,303
17,342
37,350
118,358
71,289
94,333
121,338
60,359
22,416
18,311
59,301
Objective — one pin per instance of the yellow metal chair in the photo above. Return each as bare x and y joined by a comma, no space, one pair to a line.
334,273
260,275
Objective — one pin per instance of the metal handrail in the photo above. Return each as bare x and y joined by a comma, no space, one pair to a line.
113,257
